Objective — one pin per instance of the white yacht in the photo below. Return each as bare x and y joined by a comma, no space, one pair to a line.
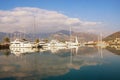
54,43
43,44
73,43
17,43
57,43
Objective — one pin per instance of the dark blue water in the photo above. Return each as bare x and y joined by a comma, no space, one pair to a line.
85,63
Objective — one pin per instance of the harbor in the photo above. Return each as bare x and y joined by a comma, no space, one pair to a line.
59,39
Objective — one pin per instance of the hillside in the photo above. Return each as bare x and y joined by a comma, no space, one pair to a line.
112,36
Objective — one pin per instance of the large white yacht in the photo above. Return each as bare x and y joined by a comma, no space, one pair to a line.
18,43
73,43
56,43
53,43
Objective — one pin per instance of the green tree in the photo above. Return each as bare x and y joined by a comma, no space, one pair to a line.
6,39
45,40
37,40
24,39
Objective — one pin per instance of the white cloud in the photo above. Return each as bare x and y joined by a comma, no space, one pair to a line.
21,18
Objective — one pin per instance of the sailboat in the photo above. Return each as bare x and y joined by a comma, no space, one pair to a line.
101,43
73,43
70,43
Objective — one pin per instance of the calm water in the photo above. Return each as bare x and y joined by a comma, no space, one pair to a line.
83,63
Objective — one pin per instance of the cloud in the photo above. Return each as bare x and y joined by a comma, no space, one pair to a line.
39,20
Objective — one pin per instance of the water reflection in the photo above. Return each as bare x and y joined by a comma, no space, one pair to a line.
39,64
5,52
114,49
21,51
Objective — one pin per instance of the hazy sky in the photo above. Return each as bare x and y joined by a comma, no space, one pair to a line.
53,15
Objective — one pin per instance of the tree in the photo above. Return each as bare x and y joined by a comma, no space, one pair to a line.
37,40
24,39
6,40
45,40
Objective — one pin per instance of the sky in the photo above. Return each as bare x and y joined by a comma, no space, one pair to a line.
95,16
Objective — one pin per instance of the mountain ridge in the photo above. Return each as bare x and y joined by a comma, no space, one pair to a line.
61,35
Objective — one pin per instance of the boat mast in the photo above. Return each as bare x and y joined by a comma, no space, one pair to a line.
34,27
101,37
70,33
76,40
24,34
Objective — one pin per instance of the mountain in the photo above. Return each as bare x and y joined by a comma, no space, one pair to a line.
63,32
62,35
112,36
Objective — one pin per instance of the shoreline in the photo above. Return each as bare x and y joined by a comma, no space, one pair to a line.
4,46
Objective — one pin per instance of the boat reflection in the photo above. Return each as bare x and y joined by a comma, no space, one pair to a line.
47,64
53,49
21,51
75,50
5,52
